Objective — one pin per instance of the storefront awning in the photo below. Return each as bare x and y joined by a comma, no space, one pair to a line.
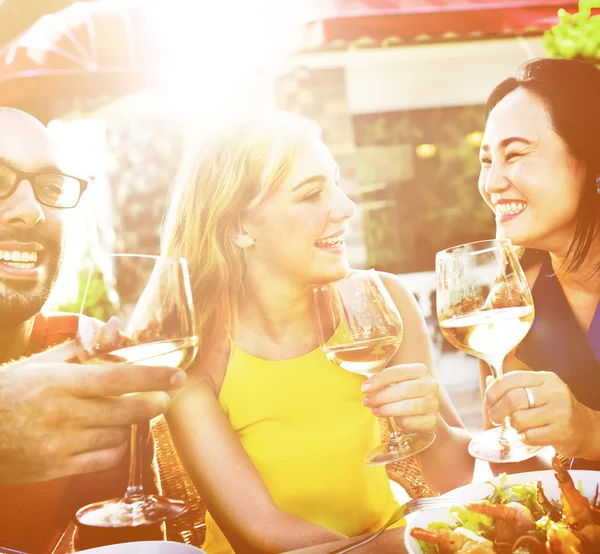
339,24
88,49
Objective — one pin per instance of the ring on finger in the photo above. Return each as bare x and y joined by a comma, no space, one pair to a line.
530,397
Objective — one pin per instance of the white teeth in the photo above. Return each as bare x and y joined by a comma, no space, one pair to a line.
20,265
331,241
510,208
18,257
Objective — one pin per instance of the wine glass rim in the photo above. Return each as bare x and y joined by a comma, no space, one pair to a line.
477,247
350,275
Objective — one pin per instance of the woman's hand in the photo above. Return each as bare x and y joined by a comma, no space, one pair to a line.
555,418
406,392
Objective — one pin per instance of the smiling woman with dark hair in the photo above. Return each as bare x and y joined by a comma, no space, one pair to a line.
540,173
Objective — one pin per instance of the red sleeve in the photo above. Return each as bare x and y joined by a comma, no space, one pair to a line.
50,330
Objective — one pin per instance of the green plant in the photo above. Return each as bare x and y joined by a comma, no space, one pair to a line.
577,36
100,300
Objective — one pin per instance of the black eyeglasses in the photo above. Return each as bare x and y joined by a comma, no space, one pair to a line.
50,189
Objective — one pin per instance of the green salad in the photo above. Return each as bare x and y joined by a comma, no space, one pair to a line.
520,519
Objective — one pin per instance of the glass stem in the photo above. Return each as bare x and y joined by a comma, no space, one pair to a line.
396,437
506,430
135,489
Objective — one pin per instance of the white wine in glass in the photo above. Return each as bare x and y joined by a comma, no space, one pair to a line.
160,331
363,357
485,308
360,330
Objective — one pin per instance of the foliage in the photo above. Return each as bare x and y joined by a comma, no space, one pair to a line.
100,299
577,36
80,257
436,204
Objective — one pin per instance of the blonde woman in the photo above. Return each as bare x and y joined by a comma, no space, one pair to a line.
274,447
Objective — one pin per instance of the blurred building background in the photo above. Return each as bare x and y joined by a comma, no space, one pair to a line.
398,86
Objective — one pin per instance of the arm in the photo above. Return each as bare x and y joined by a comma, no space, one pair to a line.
227,480
590,449
452,439
59,419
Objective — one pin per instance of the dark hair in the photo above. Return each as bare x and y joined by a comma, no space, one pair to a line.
571,92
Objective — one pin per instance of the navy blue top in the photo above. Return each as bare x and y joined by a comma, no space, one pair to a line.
556,343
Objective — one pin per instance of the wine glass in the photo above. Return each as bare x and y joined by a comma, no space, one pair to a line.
360,330
160,331
485,308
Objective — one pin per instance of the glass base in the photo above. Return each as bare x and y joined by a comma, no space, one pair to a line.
409,445
120,512
490,447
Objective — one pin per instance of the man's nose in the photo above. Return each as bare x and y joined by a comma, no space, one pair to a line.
21,208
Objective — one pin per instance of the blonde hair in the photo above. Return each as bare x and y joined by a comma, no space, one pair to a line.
230,173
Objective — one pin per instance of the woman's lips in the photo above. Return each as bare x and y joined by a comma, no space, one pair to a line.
337,248
507,211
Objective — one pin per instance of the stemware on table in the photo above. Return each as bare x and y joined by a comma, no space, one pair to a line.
159,331
360,330
485,308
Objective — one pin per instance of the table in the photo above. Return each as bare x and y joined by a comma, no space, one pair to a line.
390,542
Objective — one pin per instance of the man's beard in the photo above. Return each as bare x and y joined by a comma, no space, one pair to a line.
21,299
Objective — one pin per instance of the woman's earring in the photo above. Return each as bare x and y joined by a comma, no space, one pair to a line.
598,185
243,239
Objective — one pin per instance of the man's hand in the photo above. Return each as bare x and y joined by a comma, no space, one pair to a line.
59,419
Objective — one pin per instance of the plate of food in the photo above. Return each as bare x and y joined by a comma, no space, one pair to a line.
542,512
145,547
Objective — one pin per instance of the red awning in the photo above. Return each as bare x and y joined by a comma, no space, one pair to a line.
330,24
86,49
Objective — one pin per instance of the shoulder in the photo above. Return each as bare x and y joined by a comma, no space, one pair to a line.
397,289
401,295
532,272
211,367
60,319
391,281
531,262
51,329
399,292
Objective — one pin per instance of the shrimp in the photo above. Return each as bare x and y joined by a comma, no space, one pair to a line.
532,544
577,511
512,520
561,540
590,537
554,512
450,542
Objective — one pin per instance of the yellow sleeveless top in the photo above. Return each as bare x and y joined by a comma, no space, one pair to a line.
303,424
